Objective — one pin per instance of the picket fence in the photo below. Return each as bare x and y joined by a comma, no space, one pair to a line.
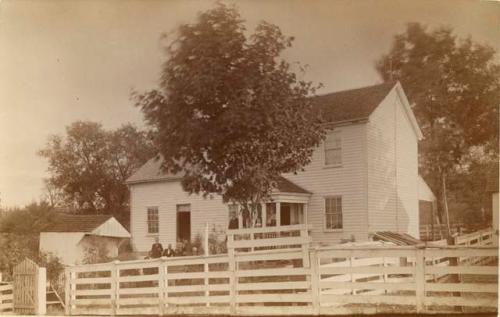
271,271
6,297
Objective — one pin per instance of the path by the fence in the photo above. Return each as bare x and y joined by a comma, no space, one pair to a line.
287,279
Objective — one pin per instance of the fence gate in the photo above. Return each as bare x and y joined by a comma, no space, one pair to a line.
29,288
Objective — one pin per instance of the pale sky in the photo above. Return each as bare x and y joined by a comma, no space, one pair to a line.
62,61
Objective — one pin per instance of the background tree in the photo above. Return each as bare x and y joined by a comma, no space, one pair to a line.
229,112
454,86
19,238
90,165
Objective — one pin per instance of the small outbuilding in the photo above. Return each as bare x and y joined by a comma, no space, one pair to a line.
74,237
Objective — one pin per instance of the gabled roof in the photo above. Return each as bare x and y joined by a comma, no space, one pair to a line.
103,225
342,106
151,171
353,104
286,186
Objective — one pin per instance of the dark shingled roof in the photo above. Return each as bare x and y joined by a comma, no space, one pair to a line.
344,105
352,104
151,172
76,223
286,186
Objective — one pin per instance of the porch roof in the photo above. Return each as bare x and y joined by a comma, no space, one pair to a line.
286,186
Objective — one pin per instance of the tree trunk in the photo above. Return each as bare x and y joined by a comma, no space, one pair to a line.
445,203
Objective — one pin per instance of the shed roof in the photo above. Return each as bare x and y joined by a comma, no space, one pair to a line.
76,223
352,104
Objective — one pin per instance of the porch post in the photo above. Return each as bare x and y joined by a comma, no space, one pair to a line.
264,214
305,214
278,214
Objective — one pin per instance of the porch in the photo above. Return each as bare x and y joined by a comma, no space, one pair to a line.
287,207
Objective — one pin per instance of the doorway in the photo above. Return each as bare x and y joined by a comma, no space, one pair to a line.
184,222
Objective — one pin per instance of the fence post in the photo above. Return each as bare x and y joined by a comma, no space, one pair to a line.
420,279
305,248
41,291
114,287
233,279
67,291
315,277
162,285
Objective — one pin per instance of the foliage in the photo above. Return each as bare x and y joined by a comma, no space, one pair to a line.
454,86
89,165
229,113
31,219
14,248
52,264
217,241
97,252
20,231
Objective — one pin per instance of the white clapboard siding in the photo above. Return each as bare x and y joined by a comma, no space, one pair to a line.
392,168
166,196
347,180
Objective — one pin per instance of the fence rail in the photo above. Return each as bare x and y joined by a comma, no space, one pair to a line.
6,297
340,280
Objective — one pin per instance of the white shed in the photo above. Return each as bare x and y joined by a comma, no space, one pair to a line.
71,237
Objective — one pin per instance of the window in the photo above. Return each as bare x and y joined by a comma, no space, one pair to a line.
153,222
333,149
333,213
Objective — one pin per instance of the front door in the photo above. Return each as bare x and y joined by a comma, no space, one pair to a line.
184,222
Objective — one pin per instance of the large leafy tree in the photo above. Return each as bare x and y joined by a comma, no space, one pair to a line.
229,113
454,86
88,167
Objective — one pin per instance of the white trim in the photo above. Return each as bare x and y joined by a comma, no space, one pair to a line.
325,229
339,132
406,105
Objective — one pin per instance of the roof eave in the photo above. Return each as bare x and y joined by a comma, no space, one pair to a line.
153,180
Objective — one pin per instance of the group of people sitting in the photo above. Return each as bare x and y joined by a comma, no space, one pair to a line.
182,248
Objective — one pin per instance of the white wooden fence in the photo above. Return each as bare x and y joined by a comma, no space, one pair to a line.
6,297
287,279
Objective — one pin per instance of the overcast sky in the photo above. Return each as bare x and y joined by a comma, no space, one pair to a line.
62,61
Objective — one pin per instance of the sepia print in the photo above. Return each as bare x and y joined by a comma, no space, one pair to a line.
249,158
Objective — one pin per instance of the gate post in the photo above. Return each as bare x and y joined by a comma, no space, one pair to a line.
67,291
420,279
315,290
233,278
41,303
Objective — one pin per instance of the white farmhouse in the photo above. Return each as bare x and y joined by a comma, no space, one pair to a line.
70,237
362,179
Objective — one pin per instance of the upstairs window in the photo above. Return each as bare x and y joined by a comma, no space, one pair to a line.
333,148
153,220
333,213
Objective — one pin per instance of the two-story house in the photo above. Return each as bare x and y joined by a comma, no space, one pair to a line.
363,178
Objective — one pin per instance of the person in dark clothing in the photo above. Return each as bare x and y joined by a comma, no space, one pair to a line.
169,252
233,222
156,249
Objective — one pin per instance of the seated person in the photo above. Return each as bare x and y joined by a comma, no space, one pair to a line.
271,221
258,223
156,249
169,252
233,222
